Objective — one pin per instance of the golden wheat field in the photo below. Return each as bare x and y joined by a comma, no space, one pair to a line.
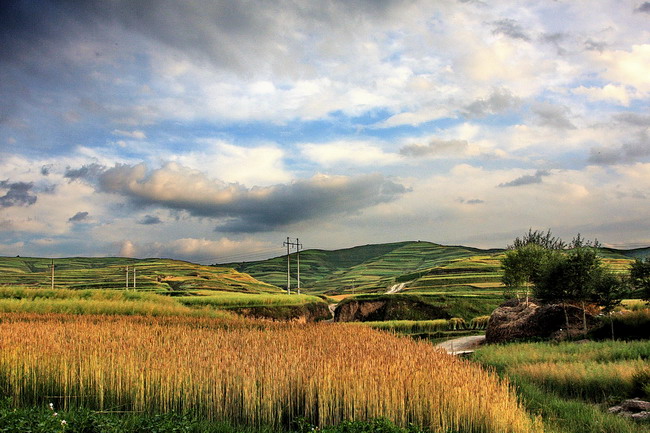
249,372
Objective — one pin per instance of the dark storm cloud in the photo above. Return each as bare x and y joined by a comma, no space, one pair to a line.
510,28
18,194
248,209
78,217
150,220
527,179
235,35
499,101
625,154
553,116
434,147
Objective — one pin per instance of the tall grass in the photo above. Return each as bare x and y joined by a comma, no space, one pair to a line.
250,374
234,299
25,300
428,326
563,381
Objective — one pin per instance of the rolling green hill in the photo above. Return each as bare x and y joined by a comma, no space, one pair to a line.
419,267
363,269
159,275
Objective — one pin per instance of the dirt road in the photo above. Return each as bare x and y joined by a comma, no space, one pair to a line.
462,345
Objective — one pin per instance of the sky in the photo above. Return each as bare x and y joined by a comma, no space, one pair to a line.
211,131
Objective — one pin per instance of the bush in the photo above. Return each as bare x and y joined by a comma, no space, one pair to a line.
632,325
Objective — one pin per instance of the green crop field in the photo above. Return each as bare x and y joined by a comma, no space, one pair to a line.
159,275
421,267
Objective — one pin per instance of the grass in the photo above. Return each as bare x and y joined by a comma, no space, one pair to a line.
128,302
40,419
232,299
160,275
249,373
571,384
428,326
424,266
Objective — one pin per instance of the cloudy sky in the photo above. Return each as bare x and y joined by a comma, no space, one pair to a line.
212,130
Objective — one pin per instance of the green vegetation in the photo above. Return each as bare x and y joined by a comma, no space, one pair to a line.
364,269
426,306
205,303
640,276
218,299
159,275
570,384
41,419
424,267
121,302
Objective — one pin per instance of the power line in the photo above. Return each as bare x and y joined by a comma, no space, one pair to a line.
298,245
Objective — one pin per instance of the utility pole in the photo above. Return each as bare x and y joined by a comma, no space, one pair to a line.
290,244
52,273
127,278
133,277
298,246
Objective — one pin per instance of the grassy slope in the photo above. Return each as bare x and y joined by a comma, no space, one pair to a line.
369,268
425,267
161,275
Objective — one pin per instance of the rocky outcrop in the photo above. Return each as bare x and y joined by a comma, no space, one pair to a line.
517,320
634,408
393,307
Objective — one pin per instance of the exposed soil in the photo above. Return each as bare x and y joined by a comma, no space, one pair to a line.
393,308
517,320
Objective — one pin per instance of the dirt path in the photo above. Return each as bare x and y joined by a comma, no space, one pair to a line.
461,345
332,308
396,288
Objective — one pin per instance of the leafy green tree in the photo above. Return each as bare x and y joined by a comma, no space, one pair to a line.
640,277
523,266
608,291
570,277
537,237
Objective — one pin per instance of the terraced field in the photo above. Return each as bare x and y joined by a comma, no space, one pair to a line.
159,275
419,267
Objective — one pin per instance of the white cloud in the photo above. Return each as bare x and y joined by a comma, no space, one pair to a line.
609,92
348,154
259,165
627,67
138,135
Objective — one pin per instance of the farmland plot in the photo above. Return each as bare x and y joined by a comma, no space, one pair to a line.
250,372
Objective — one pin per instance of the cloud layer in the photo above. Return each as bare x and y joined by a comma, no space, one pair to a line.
182,128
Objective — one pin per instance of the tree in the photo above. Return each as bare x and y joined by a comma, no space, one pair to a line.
536,237
522,266
555,270
608,291
640,277
571,277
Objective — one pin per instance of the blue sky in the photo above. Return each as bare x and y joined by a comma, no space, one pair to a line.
212,130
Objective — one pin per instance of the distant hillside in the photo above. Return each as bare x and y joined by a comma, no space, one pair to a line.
368,268
160,275
419,267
